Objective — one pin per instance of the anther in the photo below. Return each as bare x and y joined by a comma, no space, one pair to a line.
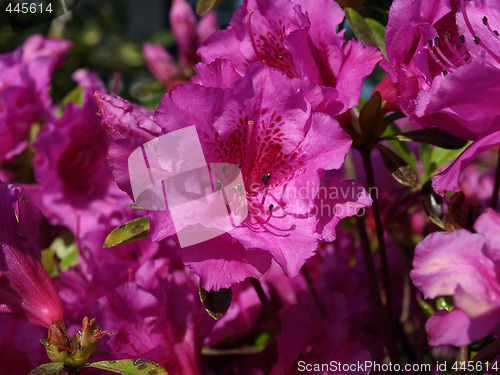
223,168
239,166
445,72
430,43
462,38
266,178
239,187
485,20
446,35
271,206
437,41
219,186
495,32
476,38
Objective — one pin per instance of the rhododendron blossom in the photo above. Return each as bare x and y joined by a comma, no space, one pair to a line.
189,34
272,212
26,291
264,123
299,38
24,85
462,265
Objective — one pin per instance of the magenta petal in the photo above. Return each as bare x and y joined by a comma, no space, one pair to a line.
444,261
224,44
488,224
344,198
223,261
457,328
358,62
122,119
449,178
475,13
220,73
207,25
26,291
463,103
183,21
161,63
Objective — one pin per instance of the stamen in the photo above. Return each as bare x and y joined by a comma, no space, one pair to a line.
443,56
453,47
248,154
271,207
436,60
477,40
250,33
266,178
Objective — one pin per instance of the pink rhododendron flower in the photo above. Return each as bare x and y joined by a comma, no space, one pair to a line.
157,317
299,38
463,265
74,184
26,291
445,67
266,123
25,76
188,34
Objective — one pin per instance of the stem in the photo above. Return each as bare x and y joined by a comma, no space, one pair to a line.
390,341
367,163
314,293
496,187
266,302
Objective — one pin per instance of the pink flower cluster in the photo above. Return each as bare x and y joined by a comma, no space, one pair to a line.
313,275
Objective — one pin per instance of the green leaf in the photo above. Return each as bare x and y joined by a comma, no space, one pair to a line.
74,96
399,168
205,6
262,340
433,136
445,303
130,367
366,29
52,368
425,151
66,251
435,157
215,302
426,308
400,148
131,231
441,156
49,263
369,116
